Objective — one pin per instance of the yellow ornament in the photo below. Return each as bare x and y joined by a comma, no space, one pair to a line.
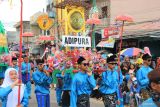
44,22
76,20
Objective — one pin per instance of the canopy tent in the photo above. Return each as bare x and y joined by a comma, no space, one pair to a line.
107,43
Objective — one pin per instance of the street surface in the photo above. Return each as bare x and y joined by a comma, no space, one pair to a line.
33,102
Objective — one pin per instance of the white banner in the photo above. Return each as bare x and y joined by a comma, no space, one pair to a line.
76,41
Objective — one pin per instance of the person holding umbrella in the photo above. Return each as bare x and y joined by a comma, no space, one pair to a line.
10,95
26,79
154,84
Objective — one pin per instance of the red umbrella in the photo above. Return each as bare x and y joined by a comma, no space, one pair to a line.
47,38
124,18
94,20
27,34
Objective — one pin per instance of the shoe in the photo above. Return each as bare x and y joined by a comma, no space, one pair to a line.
60,104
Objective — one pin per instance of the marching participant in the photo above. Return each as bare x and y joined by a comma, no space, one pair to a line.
67,81
110,84
26,79
82,85
9,90
154,83
42,80
14,63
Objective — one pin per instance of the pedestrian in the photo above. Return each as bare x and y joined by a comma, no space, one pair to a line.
142,76
9,90
26,76
82,85
154,83
134,93
110,84
42,80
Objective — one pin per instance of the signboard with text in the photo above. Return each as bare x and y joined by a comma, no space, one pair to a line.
110,31
76,41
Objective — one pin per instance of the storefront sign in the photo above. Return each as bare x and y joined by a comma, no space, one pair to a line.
110,31
76,41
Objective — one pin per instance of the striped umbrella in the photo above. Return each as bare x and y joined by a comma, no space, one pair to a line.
131,52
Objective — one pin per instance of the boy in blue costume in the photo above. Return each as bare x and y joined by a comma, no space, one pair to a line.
42,80
142,76
110,84
14,63
26,79
154,83
67,81
59,88
82,85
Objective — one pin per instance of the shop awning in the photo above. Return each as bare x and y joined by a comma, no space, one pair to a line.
107,43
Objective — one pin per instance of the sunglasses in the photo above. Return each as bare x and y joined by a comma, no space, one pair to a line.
40,64
113,63
86,64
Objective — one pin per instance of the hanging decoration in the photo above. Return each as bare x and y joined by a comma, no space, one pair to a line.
44,22
76,20
3,40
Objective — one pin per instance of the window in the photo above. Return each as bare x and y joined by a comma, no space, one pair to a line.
104,12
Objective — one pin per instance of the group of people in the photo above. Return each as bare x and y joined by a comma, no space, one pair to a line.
80,74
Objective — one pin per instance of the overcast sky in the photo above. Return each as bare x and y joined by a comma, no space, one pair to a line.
11,14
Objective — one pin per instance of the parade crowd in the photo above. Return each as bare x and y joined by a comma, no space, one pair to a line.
80,74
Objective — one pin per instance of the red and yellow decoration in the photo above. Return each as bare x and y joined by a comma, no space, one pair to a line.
44,22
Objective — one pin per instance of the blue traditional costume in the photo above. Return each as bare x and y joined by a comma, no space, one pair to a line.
9,96
110,84
82,86
142,77
67,81
154,80
42,84
59,87
26,79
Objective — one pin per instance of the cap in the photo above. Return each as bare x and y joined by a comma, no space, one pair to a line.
24,56
146,56
80,60
112,59
38,61
14,59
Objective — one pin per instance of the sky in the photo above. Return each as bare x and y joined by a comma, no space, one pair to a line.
10,14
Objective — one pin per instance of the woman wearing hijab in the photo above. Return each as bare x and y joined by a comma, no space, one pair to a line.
10,99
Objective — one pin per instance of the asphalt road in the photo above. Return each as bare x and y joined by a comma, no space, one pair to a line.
33,102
